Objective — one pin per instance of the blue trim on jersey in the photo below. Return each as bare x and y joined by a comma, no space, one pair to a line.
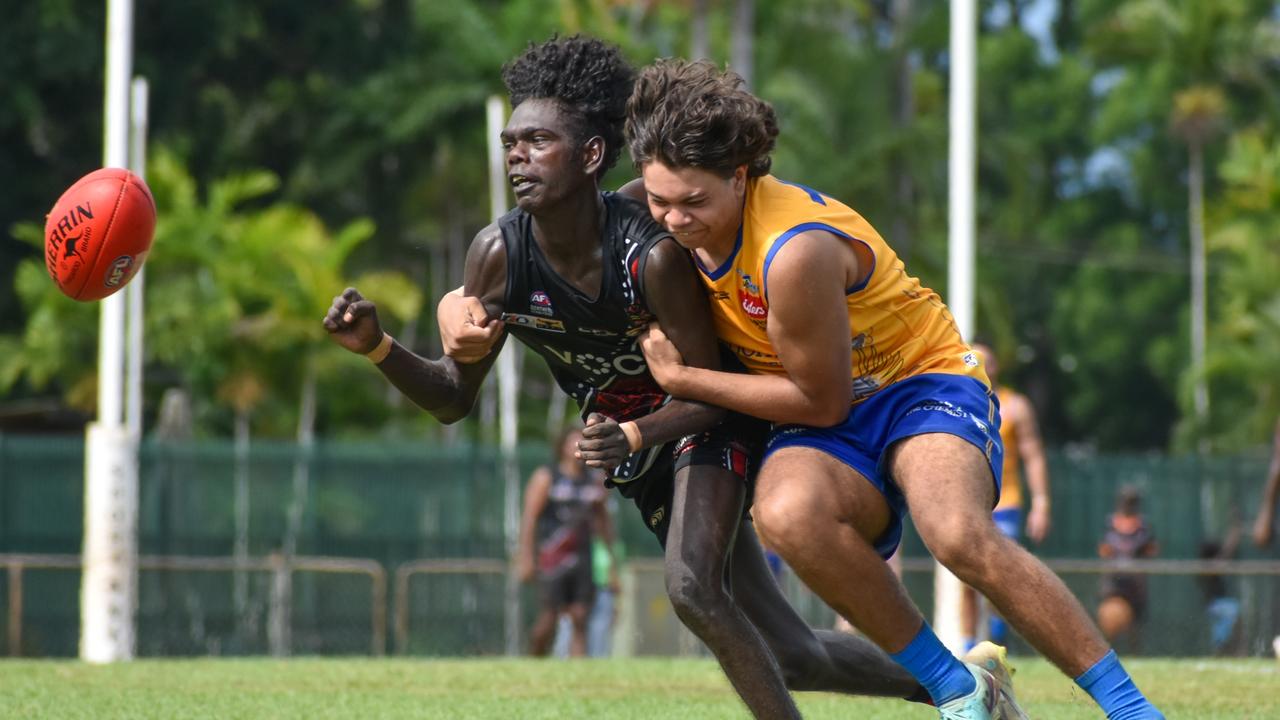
814,195
806,227
724,267
930,403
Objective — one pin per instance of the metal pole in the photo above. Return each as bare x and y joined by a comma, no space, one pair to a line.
960,269
508,390
108,589
133,291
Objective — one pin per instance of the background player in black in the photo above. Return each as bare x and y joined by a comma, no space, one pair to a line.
563,511
565,131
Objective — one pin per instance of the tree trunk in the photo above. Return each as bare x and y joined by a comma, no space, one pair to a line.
1195,202
240,551
282,601
904,113
742,58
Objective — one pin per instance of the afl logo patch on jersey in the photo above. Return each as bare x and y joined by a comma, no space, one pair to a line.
540,303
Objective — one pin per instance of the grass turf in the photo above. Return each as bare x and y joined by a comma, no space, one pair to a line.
643,689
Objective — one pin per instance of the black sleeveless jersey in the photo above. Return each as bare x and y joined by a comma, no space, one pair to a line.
590,344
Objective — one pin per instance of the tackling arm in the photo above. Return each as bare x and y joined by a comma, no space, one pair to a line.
808,328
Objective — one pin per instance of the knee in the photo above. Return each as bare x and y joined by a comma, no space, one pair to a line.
699,602
781,519
964,543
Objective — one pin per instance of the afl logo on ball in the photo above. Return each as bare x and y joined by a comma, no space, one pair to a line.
119,270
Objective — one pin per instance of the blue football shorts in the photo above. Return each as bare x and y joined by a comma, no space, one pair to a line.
930,403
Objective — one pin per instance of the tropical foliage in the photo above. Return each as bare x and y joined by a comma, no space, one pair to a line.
293,152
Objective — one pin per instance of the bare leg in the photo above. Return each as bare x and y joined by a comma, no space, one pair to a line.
820,516
578,614
817,660
705,514
949,488
543,632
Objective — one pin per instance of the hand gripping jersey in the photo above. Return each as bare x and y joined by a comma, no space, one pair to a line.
590,344
897,327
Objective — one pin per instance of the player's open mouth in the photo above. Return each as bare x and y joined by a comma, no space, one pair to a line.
521,184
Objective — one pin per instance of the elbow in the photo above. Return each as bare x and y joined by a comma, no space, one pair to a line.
828,413
455,410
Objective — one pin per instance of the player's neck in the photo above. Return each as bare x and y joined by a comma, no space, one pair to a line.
569,233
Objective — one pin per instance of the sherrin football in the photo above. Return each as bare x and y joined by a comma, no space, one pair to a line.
98,233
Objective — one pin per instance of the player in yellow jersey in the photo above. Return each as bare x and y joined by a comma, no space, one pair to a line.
1020,435
878,403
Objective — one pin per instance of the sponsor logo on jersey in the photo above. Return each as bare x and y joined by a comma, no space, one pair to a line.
970,358
540,303
657,516
596,332
600,366
719,295
536,323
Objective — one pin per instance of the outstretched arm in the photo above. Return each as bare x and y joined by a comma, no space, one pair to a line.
808,326
676,297
442,387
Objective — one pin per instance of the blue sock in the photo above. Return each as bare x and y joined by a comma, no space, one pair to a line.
999,630
934,667
1114,691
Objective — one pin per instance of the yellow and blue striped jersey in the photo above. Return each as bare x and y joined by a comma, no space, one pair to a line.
897,327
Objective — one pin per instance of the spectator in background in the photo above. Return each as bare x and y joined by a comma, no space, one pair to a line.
606,558
1020,434
563,502
1264,526
1222,610
1123,596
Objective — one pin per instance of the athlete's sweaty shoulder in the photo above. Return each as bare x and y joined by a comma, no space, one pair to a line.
485,273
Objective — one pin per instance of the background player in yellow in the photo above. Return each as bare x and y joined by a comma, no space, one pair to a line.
1020,435
803,289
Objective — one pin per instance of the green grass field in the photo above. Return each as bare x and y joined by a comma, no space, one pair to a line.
643,689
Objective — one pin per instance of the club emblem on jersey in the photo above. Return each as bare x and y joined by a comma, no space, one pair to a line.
751,300
540,303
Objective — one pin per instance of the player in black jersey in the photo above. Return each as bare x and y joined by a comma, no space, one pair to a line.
577,274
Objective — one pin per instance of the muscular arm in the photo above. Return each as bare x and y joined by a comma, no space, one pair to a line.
676,298
445,388
808,326
675,295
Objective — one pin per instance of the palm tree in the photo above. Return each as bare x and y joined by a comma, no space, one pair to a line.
1197,113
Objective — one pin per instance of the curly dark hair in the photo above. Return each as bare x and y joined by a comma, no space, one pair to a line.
589,78
692,114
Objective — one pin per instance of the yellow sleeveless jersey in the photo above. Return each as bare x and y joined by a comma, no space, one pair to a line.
897,327
1011,484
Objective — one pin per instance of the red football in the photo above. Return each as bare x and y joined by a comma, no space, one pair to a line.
98,233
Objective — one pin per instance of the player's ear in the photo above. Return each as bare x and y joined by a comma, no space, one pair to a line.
593,155
739,180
